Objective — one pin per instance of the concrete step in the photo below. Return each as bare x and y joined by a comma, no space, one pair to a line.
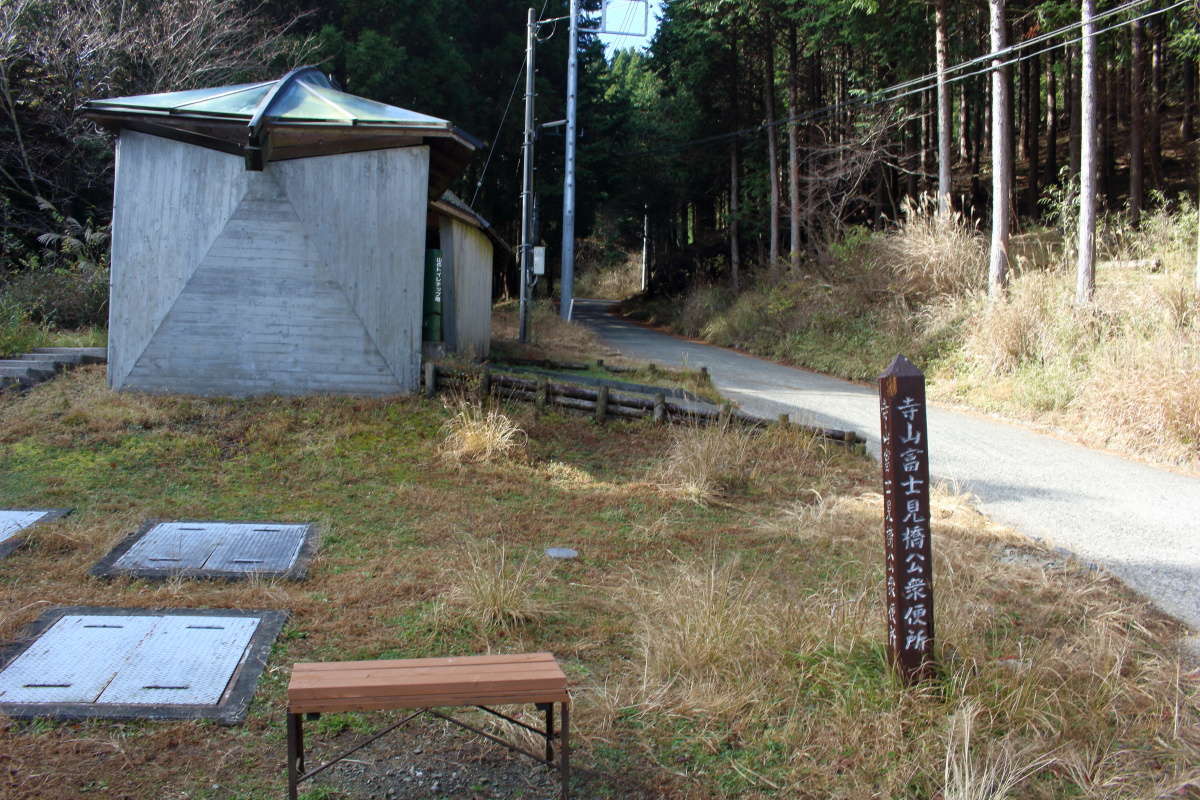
26,369
62,360
89,355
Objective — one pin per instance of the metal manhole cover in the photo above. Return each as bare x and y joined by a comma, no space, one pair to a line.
131,663
15,520
212,550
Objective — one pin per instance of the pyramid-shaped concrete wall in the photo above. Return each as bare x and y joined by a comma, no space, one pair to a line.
303,278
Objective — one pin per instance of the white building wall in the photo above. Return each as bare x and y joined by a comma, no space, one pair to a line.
303,278
467,254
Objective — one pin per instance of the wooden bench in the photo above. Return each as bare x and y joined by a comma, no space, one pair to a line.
424,684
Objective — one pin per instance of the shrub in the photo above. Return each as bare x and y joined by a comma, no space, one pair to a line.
66,298
66,284
702,303
17,333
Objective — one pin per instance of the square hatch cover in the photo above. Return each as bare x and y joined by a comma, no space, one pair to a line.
139,663
15,520
228,550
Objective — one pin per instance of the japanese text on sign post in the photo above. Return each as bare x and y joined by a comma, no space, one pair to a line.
906,537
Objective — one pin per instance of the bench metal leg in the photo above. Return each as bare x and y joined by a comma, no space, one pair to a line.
549,709
295,753
564,753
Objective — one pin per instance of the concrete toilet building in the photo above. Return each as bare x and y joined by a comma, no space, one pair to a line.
273,238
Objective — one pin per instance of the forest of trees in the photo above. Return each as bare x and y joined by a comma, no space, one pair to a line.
825,149
751,132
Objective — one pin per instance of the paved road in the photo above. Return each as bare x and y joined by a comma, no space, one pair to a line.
1141,523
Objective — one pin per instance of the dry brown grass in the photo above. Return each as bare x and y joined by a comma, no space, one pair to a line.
493,590
702,632
727,650
616,282
708,461
933,255
479,433
1039,665
1013,330
994,775
550,336
1119,374
1146,394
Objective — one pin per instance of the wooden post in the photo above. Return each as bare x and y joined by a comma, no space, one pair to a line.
602,404
784,420
485,384
543,393
660,407
906,534
430,379
726,413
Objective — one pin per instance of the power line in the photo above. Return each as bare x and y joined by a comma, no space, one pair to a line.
500,127
504,117
901,90
1025,43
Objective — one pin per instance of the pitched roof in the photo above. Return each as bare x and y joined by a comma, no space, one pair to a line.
300,115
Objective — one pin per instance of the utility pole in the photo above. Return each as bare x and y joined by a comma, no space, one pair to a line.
1001,155
645,246
567,280
943,103
527,182
1085,269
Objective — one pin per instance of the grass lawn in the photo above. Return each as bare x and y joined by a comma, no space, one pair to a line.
722,627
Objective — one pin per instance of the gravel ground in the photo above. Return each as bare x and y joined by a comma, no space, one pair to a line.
1138,522
431,760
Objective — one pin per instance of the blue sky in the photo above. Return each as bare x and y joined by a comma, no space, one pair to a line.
628,15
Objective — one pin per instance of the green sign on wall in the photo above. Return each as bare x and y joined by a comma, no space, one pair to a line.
432,329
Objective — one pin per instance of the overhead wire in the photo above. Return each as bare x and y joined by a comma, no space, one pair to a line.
1026,43
500,127
504,116
901,90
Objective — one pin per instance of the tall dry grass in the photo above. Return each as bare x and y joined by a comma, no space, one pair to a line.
933,255
611,282
493,590
991,775
478,432
1048,675
705,462
1122,373
550,336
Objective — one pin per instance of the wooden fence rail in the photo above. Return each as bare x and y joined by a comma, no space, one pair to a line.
602,402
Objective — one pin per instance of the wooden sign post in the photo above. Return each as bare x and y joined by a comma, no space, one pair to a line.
906,536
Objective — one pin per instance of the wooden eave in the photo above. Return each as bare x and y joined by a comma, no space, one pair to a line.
470,218
450,149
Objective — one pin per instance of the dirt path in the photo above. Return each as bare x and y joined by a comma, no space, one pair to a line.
1139,522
